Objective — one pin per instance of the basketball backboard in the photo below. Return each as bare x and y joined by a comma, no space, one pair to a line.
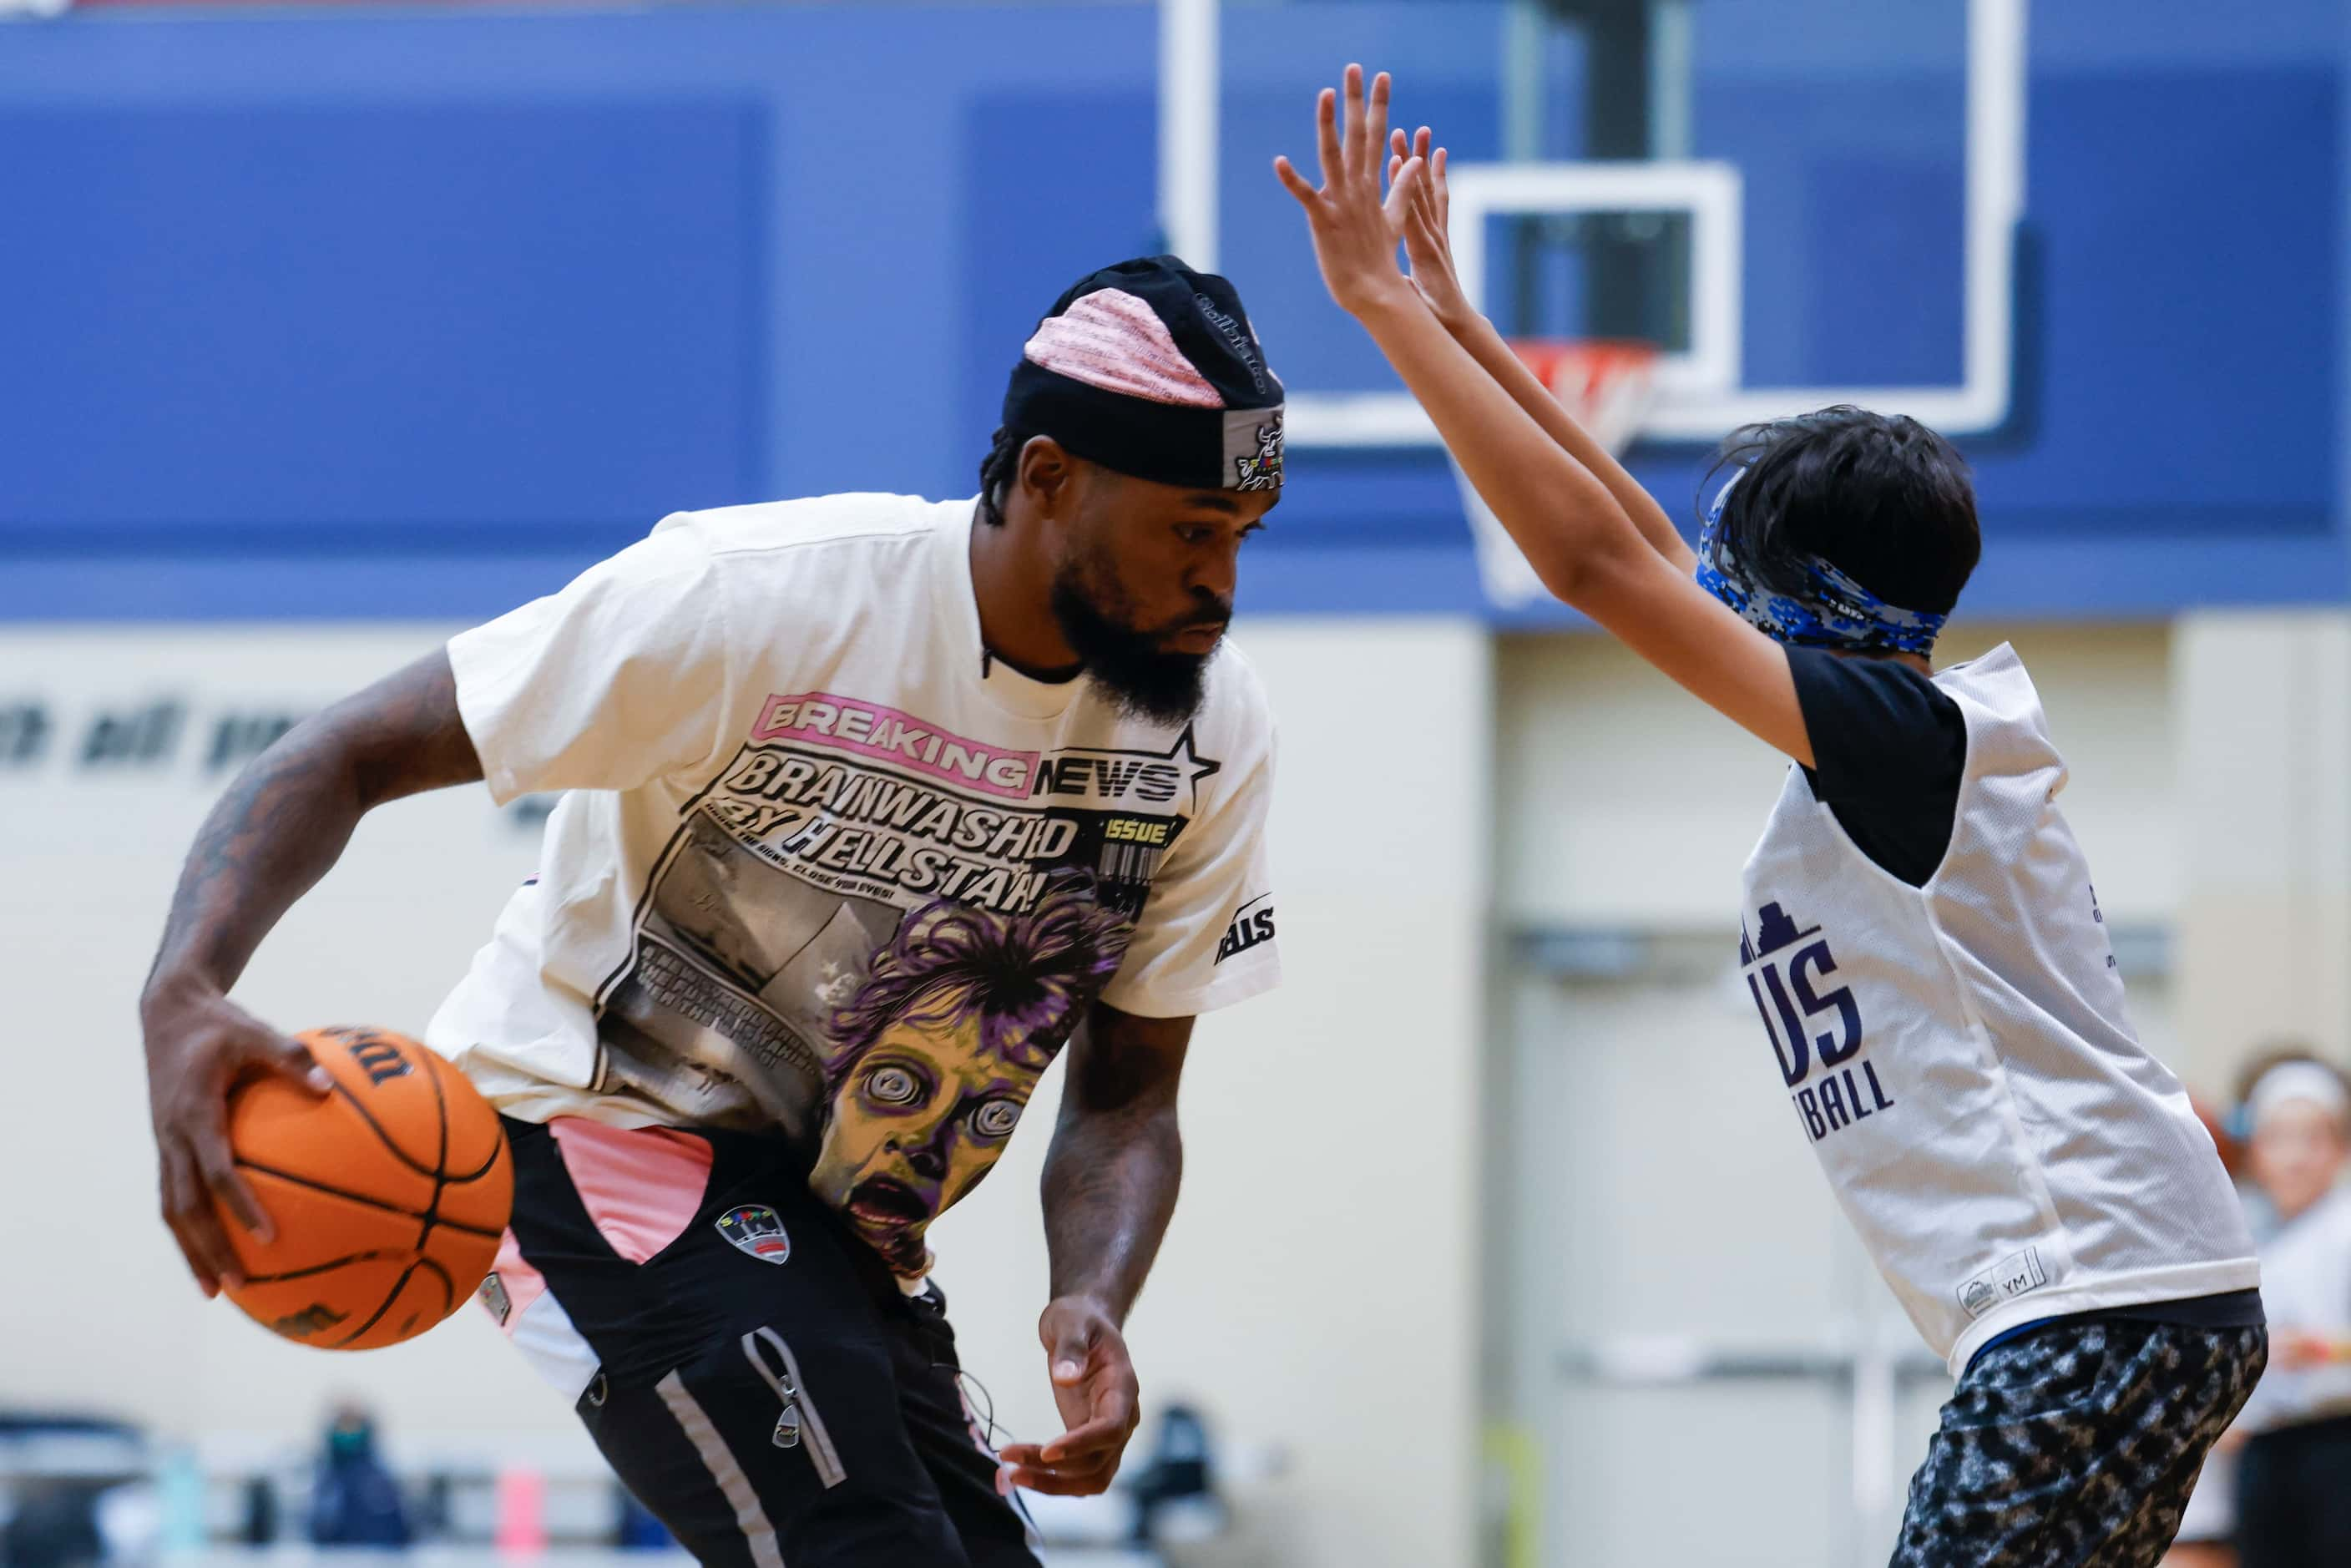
1911,129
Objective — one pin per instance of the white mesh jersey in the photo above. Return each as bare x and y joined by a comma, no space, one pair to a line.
1960,1058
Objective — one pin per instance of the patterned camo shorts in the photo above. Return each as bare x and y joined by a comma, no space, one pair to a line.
2076,1445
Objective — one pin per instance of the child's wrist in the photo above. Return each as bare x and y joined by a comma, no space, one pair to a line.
1456,314
1386,301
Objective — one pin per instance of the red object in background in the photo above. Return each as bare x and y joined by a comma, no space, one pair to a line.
521,1528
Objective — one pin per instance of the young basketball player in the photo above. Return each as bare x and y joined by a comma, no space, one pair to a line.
1919,932
872,804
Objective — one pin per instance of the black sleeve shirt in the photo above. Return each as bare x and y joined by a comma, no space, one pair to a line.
1888,748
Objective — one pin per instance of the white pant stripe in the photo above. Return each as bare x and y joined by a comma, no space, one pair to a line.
720,1460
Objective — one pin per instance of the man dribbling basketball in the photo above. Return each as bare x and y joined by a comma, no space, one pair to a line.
873,803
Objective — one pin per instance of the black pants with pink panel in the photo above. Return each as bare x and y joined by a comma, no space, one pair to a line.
751,1371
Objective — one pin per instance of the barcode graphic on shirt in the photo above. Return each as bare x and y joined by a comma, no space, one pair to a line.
1130,862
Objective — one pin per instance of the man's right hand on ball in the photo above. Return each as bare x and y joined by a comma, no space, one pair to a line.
199,1044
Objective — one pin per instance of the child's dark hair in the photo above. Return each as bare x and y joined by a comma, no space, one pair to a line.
998,470
1884,499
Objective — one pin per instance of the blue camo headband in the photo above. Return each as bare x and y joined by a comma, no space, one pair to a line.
1834,613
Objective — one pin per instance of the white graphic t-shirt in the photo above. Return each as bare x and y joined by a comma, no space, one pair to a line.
822,865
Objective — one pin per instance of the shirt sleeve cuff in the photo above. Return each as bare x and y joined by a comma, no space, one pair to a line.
1146,1000
477,709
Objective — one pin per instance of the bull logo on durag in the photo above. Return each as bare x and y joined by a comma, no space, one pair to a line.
1263,472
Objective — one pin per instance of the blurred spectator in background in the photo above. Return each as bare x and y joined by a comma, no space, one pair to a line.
355,1501
2293,1474
2236,1133
2208,1530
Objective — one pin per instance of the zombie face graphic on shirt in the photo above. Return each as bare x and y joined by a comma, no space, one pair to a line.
871,934
936,1055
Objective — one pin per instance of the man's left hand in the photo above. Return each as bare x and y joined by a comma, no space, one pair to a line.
1094,1387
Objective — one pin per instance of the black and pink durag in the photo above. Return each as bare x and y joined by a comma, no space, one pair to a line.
1153,369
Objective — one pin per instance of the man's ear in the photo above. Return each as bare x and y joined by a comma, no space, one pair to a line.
1047,474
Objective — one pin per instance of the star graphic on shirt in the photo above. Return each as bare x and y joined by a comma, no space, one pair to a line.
1186,753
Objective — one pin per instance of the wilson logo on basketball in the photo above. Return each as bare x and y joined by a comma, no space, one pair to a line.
377,1056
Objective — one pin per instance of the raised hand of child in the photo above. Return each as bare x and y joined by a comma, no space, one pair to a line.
1355,230
1423,224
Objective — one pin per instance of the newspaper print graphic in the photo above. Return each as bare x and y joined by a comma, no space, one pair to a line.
877,935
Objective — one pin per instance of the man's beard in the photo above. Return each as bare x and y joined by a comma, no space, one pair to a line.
1159,685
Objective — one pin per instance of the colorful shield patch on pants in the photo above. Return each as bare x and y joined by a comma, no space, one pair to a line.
756,1230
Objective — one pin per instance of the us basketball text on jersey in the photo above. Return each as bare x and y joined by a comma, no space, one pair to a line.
1814,1024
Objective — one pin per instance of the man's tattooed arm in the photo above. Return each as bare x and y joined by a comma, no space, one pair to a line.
1112,1174
279,827
1110,1188
283,822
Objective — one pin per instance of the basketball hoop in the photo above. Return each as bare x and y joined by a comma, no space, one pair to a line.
1607,385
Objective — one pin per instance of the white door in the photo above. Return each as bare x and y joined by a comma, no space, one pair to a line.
1709,1368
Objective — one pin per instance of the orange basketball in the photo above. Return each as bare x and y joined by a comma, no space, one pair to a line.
387,1196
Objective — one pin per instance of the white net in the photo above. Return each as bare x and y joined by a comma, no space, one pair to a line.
1608,387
